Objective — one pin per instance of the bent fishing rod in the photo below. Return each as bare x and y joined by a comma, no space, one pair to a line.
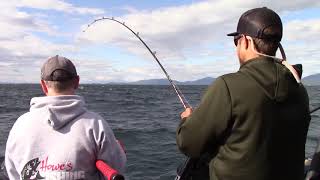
181,97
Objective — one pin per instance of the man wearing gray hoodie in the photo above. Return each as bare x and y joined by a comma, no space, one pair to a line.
59,138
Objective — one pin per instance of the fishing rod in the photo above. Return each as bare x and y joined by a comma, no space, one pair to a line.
181,97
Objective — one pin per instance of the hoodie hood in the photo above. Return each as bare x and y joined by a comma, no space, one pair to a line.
273,78
58,110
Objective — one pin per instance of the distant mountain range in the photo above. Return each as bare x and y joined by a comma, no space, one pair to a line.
203,81
312,80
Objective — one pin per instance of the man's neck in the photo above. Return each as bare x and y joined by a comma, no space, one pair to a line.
53,93
248,58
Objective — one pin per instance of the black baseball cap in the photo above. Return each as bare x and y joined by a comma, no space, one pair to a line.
58,63
254,22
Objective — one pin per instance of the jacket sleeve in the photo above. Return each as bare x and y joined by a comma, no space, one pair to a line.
109,150
206,127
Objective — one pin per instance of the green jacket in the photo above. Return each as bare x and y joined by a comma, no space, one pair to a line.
253,122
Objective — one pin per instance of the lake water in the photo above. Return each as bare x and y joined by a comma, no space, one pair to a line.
144,118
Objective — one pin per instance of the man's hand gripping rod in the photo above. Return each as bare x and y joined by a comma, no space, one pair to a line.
181,97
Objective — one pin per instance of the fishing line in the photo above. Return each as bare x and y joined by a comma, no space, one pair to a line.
314,110
181,97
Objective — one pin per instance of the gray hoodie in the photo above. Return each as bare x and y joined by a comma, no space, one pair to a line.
60,139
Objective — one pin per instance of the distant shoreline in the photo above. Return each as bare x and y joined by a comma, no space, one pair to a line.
110,84
312,80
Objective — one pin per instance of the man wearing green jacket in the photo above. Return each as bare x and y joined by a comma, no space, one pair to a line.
253,122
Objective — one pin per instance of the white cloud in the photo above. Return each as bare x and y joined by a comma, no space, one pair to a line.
22,52
93,70
189,31
172,30
59,5
302,44
15,22
180,35
169,30
32,46
303,30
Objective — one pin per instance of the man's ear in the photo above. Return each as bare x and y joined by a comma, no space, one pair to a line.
44,87
251,43
247,41
77,82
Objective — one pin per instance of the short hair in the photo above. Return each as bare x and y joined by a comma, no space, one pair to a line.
61,86
268,46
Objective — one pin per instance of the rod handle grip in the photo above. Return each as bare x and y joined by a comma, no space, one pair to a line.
107,171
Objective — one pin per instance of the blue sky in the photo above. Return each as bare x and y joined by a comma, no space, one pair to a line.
189,37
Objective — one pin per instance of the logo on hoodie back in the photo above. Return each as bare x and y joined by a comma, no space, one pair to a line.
61,171
30,171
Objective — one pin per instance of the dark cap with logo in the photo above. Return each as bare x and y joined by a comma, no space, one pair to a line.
58,68
255,21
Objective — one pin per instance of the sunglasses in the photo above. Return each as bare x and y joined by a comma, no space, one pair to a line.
236,39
